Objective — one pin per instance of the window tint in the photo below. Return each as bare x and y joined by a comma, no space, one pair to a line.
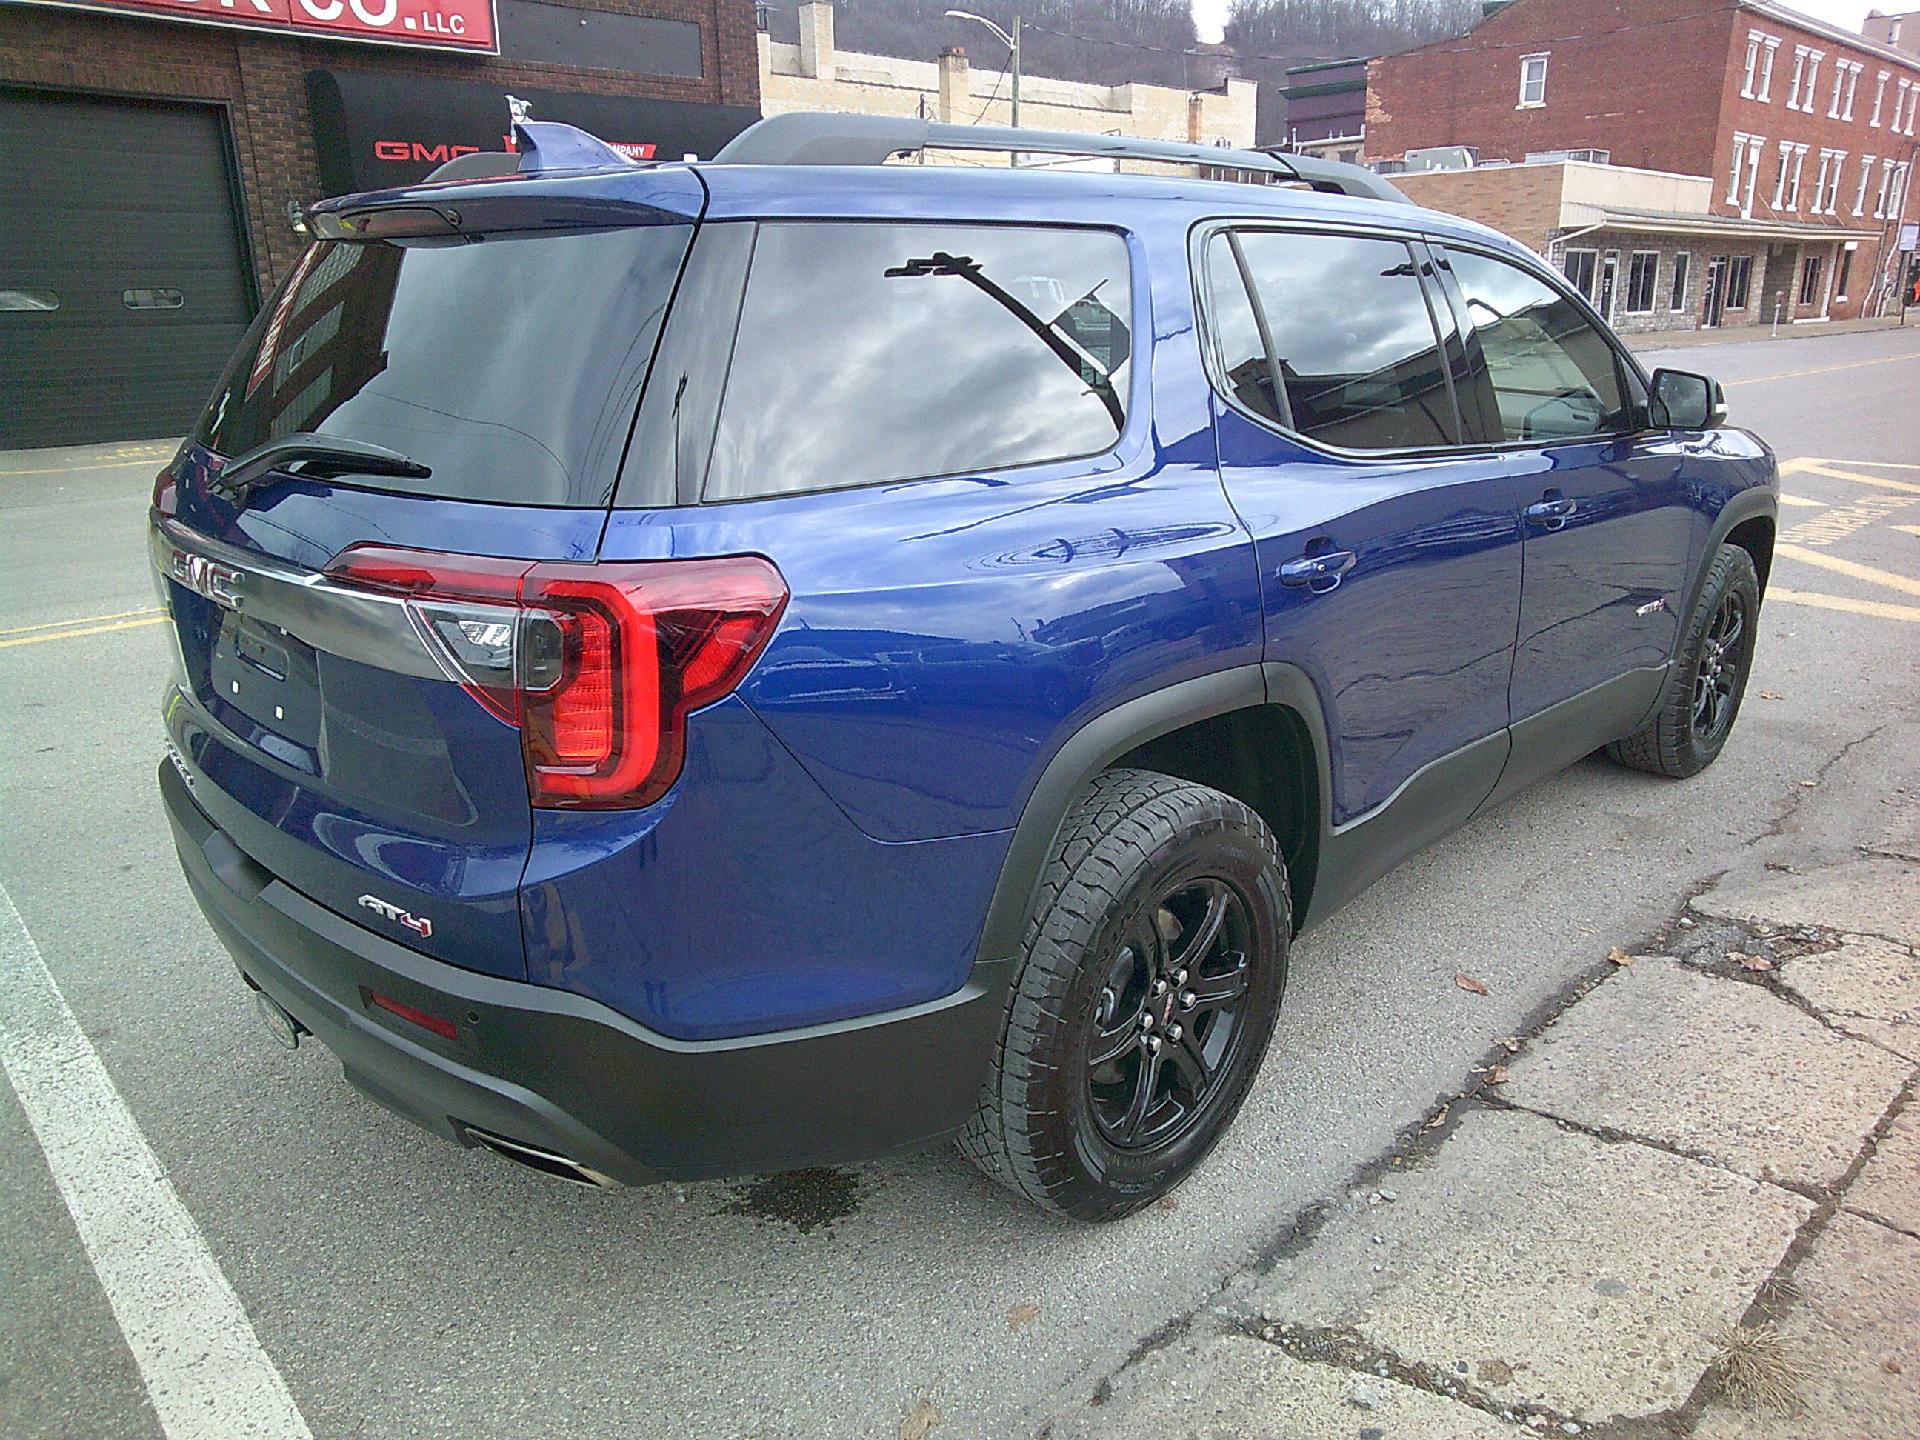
1536,362
1238,346
1353,341
869,353
509,365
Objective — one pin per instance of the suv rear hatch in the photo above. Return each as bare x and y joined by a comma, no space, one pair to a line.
352,729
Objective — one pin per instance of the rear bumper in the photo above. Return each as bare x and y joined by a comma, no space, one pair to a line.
557,1072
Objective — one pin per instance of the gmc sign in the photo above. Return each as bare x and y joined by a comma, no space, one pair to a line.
436,24
374,131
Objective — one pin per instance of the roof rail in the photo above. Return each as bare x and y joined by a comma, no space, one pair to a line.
836,139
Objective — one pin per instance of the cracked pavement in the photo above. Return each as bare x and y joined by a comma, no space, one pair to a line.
1710,1139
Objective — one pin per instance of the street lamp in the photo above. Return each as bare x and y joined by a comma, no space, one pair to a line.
1012,42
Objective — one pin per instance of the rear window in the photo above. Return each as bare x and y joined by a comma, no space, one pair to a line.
510,364
869,353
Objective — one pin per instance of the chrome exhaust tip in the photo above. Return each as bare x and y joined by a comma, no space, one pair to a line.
535,1158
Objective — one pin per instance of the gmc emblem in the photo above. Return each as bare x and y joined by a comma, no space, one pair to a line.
208,579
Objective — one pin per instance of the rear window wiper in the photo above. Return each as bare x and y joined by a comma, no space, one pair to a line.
319,456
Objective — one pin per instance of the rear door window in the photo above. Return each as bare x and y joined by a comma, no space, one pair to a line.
510,364
1536,367
1354,360
874,352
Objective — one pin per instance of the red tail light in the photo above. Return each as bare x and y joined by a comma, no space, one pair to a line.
166,492
599,665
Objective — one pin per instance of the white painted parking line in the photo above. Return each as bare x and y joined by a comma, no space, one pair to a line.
202,1364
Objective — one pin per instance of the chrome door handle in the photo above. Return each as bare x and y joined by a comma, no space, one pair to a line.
1321,571
1551,512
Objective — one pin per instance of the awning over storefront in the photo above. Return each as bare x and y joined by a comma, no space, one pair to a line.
1729,227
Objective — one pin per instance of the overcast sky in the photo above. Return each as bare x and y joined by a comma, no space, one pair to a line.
1211,15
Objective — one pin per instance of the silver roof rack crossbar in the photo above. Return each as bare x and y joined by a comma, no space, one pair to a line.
834,139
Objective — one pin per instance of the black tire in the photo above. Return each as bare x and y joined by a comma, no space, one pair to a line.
1142,864
1709,677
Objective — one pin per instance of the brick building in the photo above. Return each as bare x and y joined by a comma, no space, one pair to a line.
1804,132
1325,111
155,152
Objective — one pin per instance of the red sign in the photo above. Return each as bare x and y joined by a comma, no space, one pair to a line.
439,24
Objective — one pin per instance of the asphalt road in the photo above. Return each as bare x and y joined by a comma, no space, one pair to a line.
403,1287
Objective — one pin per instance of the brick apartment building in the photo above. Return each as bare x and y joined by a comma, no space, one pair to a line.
158,151
1805,133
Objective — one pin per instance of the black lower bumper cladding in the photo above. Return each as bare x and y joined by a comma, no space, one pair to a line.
566,1084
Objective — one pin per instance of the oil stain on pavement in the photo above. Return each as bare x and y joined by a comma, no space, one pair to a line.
806,1200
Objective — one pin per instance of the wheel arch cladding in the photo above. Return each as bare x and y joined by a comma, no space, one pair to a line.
1755,536
1212,730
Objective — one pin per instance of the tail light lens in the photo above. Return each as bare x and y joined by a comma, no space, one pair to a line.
166,492
598,665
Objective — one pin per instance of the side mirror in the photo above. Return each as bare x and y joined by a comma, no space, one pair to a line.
1680,400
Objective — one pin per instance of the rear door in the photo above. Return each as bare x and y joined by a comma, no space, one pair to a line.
1604,504
315,721
1389,557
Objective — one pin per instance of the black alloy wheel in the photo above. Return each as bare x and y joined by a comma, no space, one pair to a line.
1169,1014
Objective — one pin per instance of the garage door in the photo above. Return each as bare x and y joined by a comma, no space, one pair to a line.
123,287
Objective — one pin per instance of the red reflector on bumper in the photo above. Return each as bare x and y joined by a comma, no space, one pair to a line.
443,1028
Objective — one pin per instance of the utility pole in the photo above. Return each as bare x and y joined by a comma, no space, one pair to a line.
1015,43
1011,41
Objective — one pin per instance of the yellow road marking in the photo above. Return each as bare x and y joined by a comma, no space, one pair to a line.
1801,500
96,465
83,620
1823,369
1908,529
1807,466
89,630
1876,608
1849,567
1877,464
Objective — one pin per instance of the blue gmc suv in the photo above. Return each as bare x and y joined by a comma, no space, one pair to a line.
689,669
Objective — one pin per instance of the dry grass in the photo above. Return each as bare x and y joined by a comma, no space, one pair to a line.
1755,1372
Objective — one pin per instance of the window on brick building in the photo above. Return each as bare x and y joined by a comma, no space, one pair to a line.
1879,96
1772,42
1809,279
1839,85
1739,281
1533,80
1886,188
1581,267
1853,87
1745,170
1814,57
1866,178
1844,273
1793,161
1799,74
1755,40
1642,270
1682,262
